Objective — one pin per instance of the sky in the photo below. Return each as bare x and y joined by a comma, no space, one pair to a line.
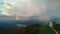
44,9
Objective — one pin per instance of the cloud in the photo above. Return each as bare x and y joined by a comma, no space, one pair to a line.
20,25
40,8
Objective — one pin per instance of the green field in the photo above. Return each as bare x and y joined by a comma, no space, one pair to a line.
45,30
36,30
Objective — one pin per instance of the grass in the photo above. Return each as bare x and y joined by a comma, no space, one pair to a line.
37,30
46,30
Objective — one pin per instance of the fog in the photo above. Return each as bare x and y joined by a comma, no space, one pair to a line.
43,9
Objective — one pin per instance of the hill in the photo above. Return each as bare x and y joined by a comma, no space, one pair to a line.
35,29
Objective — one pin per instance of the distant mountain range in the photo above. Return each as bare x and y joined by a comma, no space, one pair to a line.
13,23
7,26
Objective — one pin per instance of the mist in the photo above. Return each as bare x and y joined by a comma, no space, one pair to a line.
43,9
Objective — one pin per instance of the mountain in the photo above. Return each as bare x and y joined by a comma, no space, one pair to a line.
8,26
13,23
